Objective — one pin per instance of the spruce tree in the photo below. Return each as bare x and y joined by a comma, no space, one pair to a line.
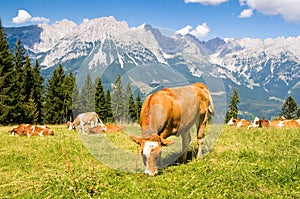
138,107
54,99
75,101
233,106
130,105
289,109
109,114
37,92
100,108
87,95
117,100
68,87
18,92
6,78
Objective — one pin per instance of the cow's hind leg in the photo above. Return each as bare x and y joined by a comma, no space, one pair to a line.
200,139
186,140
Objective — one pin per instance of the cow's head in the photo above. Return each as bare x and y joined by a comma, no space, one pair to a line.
151,151
70,125
231,122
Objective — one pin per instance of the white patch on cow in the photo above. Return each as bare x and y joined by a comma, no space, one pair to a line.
43,127
298,121
280,124
148,147
240,123
41,133
70,126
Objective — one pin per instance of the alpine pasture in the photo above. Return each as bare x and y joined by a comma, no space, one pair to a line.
256,163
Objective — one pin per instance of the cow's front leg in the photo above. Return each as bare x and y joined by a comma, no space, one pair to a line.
186,140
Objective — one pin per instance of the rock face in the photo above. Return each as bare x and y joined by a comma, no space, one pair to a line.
264,72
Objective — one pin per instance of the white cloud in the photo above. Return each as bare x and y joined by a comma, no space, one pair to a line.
39,19
206,2
184,31
24,16
200,31
289,9
246,13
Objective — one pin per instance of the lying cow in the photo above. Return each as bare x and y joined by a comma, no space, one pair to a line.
285,123
172,111
106,128
277,123
238,122
31,130
91,118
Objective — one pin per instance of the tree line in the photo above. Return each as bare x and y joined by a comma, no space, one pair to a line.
25,97
289,109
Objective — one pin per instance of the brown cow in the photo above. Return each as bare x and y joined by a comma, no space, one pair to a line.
238,122
285,123
172,111
106,128
277,123
31,130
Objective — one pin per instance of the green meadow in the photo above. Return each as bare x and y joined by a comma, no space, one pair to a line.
259,163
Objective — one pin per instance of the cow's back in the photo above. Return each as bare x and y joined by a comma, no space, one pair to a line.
174,110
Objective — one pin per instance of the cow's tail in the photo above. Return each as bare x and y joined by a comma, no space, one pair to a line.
211,107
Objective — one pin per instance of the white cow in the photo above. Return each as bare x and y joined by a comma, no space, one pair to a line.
91,118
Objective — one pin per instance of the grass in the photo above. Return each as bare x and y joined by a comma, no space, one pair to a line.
259,163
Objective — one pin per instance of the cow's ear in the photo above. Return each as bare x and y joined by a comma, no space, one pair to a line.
136,139
165,142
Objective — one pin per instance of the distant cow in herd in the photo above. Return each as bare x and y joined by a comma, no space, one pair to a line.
277,123
112,128
172,111
91,118
31,130
238,122
259,123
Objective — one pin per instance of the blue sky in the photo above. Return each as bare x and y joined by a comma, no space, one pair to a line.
205,19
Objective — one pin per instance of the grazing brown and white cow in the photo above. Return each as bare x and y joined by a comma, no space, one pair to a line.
91,118
238,122
31,130
172,111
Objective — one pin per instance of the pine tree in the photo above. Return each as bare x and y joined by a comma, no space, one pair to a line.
117,100
75,101
68,88
289,109
233,108
109,113
138,107
100,108
6,78
54,100
130,104
87,95
37,92
18,92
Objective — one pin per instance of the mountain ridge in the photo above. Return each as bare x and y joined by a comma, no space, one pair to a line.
266,70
